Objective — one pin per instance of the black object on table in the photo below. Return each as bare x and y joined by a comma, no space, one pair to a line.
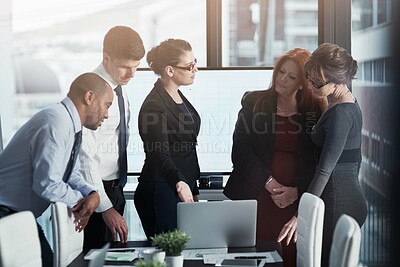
262,246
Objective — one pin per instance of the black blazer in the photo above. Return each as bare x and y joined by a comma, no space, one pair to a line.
253,146
169,137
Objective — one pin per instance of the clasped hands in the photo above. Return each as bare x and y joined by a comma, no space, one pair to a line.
282,196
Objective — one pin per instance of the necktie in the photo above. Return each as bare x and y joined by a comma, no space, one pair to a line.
122,160
74,156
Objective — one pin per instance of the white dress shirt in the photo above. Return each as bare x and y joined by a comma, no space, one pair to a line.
99,153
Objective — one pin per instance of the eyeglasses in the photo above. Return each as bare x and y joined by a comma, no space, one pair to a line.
317,85
188,68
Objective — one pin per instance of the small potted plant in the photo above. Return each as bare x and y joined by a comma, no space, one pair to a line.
154,263
172,243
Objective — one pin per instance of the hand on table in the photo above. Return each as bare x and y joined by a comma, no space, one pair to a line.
116,223
184,192
289,231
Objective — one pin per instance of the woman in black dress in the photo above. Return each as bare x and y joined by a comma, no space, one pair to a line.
338,138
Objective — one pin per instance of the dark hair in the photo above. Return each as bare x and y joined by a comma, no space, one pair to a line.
330,62
122,42
305,99
167,53
89,81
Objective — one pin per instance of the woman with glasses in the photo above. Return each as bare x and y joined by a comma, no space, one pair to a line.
337,136
168,126
272,153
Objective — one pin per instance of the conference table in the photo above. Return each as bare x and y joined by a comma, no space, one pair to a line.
261,246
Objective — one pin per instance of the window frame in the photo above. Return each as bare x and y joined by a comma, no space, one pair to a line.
333,27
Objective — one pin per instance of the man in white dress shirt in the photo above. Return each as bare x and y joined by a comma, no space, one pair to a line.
100,154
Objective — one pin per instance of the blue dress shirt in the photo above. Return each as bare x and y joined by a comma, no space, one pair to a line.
32,165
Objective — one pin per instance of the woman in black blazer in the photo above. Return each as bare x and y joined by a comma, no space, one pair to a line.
272,153
168,126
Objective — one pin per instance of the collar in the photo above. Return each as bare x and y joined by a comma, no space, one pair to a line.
175,110
100,70
73,113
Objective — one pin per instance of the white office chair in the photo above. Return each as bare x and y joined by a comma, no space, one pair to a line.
19,241
67,243
345,249
310,221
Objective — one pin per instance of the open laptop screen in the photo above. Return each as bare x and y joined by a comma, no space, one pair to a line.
213,224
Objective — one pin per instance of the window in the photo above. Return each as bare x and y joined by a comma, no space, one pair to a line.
362,14
73,30
370,46
365,145
370,13
55,41
368,71
375,151
382,11
388,158
379,70
256,32
389,70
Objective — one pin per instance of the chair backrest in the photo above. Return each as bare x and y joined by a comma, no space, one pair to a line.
345,249
310,221
67,243
19,241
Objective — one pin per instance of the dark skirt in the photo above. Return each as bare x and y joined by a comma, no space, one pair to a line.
342,195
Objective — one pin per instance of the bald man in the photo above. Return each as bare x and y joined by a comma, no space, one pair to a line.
39,164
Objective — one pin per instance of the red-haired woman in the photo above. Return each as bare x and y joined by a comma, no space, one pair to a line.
273,155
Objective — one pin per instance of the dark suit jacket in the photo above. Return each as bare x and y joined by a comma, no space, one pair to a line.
169,139
253,146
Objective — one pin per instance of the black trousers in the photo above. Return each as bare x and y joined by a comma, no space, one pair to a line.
96,231
47,253
156,203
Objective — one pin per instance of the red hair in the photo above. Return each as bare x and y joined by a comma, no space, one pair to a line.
305,98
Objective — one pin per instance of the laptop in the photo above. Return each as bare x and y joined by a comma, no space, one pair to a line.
218,224
99,257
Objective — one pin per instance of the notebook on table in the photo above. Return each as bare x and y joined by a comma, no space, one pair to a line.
213,224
